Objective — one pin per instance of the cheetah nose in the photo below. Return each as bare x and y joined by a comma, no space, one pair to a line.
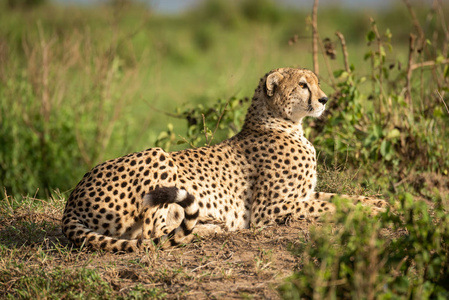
323,100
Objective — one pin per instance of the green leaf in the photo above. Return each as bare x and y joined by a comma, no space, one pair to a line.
377,131
370,36
438,112
446,71
338,73
367,55
392,134
388,33
386,150
382,51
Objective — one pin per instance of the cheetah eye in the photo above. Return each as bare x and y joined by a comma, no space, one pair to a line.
302,85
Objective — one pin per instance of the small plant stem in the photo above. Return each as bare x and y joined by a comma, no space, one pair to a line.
328,66
316,67
45,100
422,40
205,129
439,9
344,50
186,141
218,121
379,53
408,95
442,101
415,22
429,63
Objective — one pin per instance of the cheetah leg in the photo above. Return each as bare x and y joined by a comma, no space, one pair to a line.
320,203
376,205
207,229
266,210
317,205
169,195
208,226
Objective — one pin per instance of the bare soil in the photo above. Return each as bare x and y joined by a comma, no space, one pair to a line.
248,263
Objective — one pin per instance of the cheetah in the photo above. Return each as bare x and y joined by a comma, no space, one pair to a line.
263,175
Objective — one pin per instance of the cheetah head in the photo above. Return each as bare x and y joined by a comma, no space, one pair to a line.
293,94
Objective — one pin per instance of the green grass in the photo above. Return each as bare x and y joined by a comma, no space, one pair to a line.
56,284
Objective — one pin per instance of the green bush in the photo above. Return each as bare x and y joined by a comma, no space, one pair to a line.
206,125
400,254
31,139
371,120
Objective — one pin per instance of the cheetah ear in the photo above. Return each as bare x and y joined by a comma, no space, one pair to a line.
272,82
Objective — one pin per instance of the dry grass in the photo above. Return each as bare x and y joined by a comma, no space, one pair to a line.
248,263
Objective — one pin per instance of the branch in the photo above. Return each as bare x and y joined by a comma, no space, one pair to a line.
415,23
442,100
316,68
219,120
408,94
429,63
344,50
439,9
379,53
328,66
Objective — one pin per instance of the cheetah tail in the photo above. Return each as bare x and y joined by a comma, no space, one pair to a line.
165,195
81,235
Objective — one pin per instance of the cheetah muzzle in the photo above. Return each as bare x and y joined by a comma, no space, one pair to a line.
265,174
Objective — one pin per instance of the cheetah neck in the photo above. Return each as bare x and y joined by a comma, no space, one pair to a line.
260,118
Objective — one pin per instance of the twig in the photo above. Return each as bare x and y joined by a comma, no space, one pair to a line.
415,23
316,67
408,94
442,100
439,9
328,66
344,50
422,40
177,116
202,266
219,120
45,100
187,142
379,52
429,63
205,129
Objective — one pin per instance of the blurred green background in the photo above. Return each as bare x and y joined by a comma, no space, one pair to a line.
82,84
